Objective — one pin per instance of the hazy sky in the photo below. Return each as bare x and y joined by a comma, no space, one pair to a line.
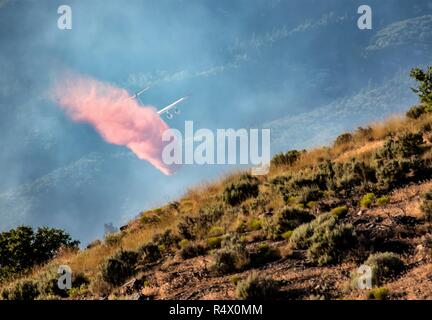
246,64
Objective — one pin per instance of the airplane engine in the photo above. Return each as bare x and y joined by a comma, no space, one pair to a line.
177,111
169,116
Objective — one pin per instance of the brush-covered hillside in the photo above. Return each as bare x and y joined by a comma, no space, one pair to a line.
300,232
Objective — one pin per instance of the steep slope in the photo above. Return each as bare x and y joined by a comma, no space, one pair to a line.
302,231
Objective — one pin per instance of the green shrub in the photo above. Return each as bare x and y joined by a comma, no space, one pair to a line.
301,235
183,243
339,211
113,239
384,266
166,240
48,284
244,188
392,173
99,287
311,204
302,186
254,224
232,258
198,226
365,134
367,200
79,279
409,144
78,292
49,287
264,254
192,250
329,241
240,227
382,201
343,139
406,145
149,252
416,112
426,127
349,176
216,231
94,243
426,205
24,290
256,287
291,218
214,242
235,279
118,268
226,262
378,294
186,227
149,218
399,161
324,238
287,234
286,158
309,194
286,220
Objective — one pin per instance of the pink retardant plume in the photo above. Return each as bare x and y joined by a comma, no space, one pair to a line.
115,116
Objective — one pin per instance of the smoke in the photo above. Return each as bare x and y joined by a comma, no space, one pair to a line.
115,116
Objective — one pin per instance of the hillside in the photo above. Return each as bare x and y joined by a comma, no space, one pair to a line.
296,64
300,232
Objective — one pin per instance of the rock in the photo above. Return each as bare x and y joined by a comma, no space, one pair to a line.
135,296
131,286
422,253
149,292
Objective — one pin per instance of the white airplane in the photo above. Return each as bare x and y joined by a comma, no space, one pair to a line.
139,92
166,110
170,107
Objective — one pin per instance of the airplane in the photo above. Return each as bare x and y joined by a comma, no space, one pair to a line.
170,107
166,110
139,92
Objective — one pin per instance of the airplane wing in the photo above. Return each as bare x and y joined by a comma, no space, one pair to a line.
139,92
171,106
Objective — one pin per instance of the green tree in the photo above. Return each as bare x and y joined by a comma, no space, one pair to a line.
22,248
424,89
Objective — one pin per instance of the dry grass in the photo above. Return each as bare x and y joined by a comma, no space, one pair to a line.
195,196
397,124
88,261
361,146
306,159
366,149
